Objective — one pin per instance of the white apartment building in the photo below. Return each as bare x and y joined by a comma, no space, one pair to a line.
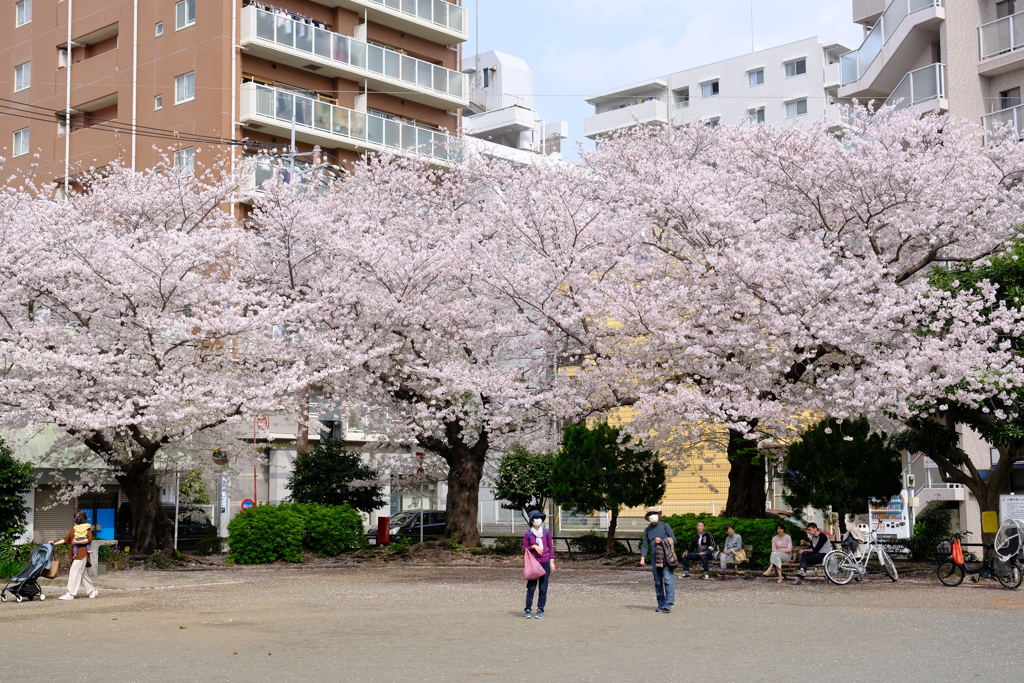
786,85
501,120
963,57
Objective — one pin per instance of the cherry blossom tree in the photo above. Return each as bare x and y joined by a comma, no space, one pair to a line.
380,307
122,323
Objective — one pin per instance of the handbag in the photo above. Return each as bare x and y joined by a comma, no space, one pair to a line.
671,559
532,569
739,555
54,570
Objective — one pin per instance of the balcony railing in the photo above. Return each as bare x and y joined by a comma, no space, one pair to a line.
329,119
287,32
920,85
1001,35
855,63
682,104
435,11
1011,117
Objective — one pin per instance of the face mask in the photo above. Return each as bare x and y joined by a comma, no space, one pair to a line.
654,519
538,521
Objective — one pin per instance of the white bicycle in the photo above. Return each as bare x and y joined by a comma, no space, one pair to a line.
843,564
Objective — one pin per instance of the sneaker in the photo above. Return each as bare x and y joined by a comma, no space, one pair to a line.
539,615
94,593
527,614
721,577
667,610
706,577
660,609
66,596
685,576
799,581
802,573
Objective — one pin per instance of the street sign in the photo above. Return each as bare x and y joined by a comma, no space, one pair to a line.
246,504
261,429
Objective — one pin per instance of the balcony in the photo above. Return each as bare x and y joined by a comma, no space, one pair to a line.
498,122
652,111
436,20
924,89
1000,43
905,30
1011,118
284,40
321,123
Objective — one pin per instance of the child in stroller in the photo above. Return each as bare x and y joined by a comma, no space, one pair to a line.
24,585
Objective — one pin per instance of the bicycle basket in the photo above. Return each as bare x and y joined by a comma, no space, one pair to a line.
1008,539
944,549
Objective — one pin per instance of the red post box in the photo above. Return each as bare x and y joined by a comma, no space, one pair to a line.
383,530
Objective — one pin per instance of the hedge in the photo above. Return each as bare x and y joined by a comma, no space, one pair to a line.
268,533
755,532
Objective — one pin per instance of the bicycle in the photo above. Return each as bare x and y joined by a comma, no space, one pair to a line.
952,572
842,564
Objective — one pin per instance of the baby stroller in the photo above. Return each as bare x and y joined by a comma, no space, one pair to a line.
24,585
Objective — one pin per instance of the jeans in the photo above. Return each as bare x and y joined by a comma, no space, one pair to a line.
531,586
703,557
664,585
811,558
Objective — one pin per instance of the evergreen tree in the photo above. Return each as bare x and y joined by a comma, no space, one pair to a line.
595,471
841,465
524,479
331,475
16,479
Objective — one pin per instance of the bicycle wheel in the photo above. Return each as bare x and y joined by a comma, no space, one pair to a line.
837,569
1013,579
889,567
950,573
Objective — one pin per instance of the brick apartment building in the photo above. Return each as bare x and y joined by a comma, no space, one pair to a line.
357,76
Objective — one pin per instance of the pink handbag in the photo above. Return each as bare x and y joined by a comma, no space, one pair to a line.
531,567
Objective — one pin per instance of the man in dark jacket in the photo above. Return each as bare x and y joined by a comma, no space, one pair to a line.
659,543
701,547
820,547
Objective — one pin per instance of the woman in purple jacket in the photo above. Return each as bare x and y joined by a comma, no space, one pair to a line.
538,541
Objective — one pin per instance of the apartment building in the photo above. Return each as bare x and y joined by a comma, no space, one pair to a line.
784,85
961,57
89,81
501,119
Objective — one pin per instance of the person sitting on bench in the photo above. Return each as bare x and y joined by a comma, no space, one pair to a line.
701,547
819,547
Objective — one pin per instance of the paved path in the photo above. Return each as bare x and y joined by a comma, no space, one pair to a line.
464,624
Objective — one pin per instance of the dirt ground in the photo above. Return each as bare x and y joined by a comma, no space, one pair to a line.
463,623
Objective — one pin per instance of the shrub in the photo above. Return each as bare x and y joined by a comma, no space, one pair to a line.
593,542
930,527
508,545
331,529
266,533
755,532
400,546
211,545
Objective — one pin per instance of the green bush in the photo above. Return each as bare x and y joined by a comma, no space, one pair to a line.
400,546
930,527
266,533
508,545
331,529
211,545
755,532
594,543
282,532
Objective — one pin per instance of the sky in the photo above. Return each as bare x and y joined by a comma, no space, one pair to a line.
577,48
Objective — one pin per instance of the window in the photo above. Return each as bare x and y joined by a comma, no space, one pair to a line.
159,28
62,58
185,87
62,125
184,160
1005,8
993,455
20,142
22,12
22,76
709,89
1009,98
796,67
796,108
712,122
755,77
185,13
757,115
158,102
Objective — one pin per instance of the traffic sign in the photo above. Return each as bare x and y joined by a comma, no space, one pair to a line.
246,504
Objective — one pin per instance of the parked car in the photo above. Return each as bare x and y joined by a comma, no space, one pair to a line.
193,526
406,524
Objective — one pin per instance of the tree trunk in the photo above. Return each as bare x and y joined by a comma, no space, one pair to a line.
151,529
842,523
465,470
747,496
613,523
